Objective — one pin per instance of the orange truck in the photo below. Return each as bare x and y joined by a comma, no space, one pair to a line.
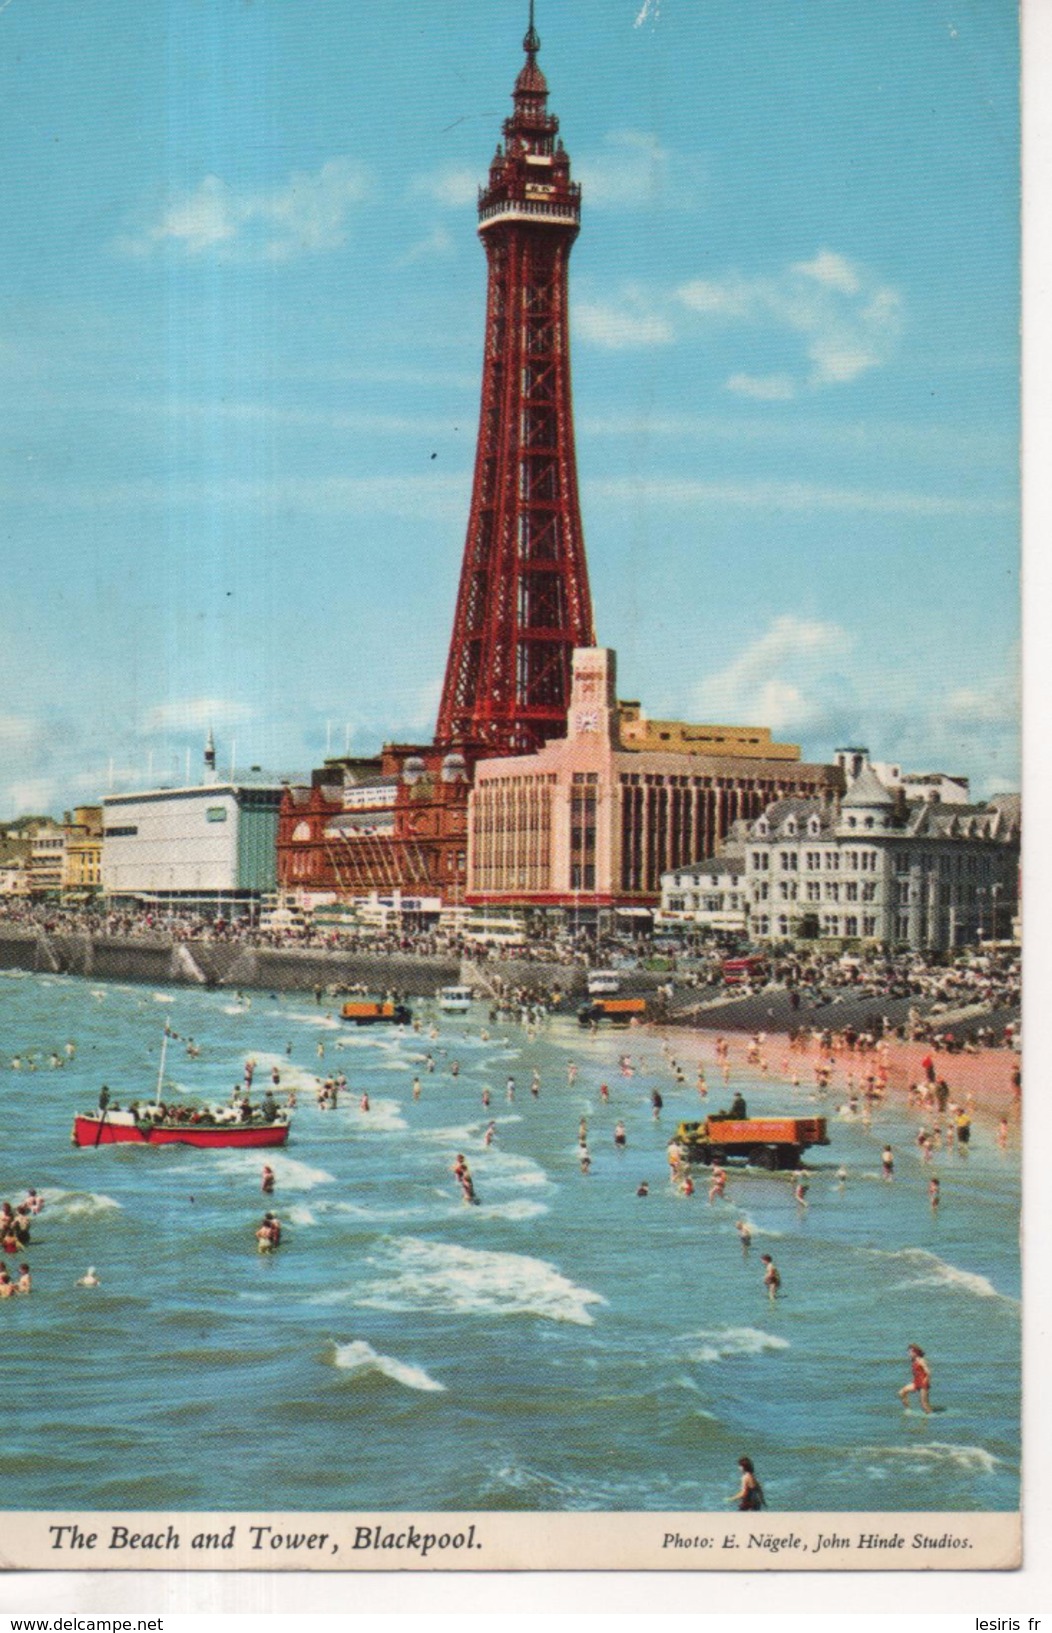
370,1011
763,1142
621,1011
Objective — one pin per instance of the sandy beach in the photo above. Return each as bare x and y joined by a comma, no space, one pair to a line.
981,1080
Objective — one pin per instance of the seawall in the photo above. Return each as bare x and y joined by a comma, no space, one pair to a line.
161,961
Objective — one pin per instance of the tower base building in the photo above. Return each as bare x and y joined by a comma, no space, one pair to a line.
591,821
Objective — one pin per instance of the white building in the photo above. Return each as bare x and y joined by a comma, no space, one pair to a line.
882,868
206,847
709,895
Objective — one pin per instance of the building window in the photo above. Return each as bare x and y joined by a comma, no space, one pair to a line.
851,890
869,924
851,925
832,891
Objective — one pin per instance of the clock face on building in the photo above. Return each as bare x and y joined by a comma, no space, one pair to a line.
587,720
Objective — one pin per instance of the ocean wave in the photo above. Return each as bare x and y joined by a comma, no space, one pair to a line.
935,1272
162,998
78,1204
969,1459
289,1174
292,1076
724,1343
300,1214
383,1116
307,1017
439,1276
520,1207
359,1358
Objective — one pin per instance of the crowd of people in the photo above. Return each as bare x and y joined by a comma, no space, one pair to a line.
15,1228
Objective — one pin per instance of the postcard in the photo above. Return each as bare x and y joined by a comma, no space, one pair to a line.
510,818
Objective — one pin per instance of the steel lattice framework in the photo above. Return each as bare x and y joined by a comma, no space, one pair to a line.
523,603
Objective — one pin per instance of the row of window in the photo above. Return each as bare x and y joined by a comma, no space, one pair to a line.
851,926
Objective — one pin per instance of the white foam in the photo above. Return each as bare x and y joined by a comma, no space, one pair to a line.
360,1357
327,1022
722,1343
300,1214
77,1204
162,998
292,1076
519,1207
935,1272
383,1116
970,1459
289,1174
420,1275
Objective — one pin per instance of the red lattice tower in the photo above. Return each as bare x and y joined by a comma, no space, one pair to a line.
523,603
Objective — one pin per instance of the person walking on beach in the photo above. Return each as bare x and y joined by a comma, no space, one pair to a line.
920,1382
749,1494
744,1234
771,1278
719,1182
887,1163
933,1193
800,1189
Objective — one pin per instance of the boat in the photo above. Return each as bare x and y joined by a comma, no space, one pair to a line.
214,1127
369,1011
454,1000
126,1128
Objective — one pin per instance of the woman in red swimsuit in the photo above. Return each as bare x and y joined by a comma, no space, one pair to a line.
920,1383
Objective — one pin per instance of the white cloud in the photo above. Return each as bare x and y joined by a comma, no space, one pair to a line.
195,714
454,186
778,679
630,325
846,319
31,797
305,215
834,270
16,731
631,170
765,388
438,244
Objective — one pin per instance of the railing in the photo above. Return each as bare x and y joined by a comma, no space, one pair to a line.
545,209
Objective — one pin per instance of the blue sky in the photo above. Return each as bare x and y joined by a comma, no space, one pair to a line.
240,341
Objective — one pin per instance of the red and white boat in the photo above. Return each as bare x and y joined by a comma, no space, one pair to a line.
125,1128
214,1127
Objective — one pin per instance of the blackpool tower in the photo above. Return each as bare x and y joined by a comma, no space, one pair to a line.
523,603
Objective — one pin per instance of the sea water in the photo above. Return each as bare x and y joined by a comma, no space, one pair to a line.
564,1344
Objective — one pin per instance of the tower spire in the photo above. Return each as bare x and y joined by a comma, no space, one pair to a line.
532,42
524,602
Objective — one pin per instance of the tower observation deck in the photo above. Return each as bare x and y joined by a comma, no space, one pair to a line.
523,602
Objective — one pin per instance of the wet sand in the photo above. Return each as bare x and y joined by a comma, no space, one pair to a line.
980,1080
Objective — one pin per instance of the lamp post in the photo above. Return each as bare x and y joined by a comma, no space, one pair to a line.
995,891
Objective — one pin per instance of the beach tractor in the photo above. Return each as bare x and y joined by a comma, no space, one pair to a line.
761,1142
